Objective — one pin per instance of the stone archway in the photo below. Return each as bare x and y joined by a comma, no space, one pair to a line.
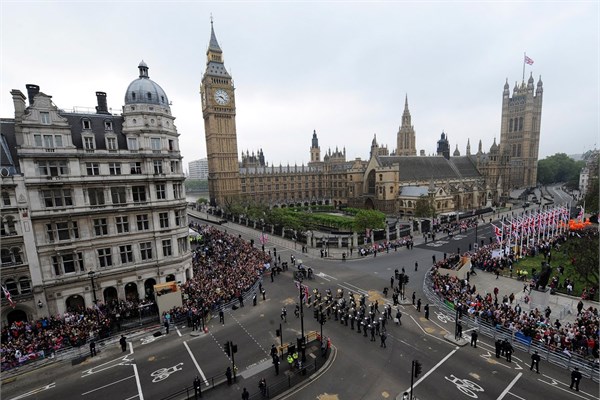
16,316
75,302
369,205
110,294
131,291
149,287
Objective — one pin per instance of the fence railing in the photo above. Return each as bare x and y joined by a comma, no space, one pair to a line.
588,366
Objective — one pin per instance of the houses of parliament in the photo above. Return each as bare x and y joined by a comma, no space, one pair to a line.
391,182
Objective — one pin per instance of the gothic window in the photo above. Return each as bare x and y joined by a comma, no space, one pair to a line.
510,125
520,123
371,182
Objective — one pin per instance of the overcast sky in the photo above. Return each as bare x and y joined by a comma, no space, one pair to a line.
340,68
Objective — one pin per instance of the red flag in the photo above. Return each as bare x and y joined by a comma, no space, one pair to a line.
528,60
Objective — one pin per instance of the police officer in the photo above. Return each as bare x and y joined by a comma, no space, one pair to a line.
474,338
276,363
575,378
535,361
419,305
508,351
426,311
498,348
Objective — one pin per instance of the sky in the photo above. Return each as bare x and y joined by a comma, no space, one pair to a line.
342,68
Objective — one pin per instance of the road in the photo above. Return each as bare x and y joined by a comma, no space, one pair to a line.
154,367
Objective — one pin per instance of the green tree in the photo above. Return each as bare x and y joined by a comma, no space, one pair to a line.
424,207
368,219
559,168
585,258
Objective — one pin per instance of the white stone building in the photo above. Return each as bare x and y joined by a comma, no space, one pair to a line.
91,197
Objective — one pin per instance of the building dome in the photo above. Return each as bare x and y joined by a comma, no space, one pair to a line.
145,91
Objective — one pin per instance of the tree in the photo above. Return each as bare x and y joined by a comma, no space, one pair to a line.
424,207
559,168
585,256
368,219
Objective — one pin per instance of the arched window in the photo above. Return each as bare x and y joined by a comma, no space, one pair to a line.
5,257
11,286
133,95
25,285
17,255
149,96
10,225
520,123
510,125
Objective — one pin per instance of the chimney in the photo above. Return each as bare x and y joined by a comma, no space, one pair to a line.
19,102
101,108
32,91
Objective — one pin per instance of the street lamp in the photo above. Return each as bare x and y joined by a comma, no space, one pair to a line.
92,275
302,319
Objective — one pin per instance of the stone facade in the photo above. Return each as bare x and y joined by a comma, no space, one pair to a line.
92,194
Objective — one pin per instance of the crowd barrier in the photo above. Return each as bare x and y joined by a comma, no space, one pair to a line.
588,366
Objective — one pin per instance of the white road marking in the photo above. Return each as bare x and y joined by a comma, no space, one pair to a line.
105,386
137,382
555,383
177,329
196,364
107,365
433,369
35,391
510,385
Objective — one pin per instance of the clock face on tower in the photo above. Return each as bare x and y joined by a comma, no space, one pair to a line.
221,97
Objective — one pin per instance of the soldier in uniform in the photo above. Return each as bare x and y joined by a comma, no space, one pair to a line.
474,338
508,350
498,348
535,361
575,378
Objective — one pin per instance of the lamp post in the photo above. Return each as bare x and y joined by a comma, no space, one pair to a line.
92,275
302,319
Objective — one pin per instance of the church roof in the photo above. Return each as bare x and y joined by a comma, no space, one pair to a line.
413,168
414,191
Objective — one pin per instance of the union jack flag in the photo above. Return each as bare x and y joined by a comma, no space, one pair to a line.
528,60
7,295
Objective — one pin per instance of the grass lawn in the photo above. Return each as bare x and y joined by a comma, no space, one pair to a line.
558,258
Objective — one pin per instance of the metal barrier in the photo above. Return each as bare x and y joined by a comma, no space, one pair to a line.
588,367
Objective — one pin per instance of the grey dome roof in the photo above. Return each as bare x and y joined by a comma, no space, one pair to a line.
144,90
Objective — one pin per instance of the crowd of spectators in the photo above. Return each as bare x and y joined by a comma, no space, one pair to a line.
225,267
580,337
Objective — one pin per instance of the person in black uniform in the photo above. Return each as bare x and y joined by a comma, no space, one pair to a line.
123,343
575,378
508,351
426,311
535,361
474,338
498,347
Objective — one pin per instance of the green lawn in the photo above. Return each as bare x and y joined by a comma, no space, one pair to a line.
561,257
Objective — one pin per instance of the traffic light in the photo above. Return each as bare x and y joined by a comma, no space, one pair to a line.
227,349
277,332
406,279
322,319
316,313
234,348
418,368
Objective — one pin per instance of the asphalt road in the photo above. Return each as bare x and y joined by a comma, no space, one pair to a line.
154,367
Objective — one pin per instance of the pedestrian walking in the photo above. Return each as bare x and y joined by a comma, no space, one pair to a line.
283,314
92,348
414,296
535,362
426,311
245,395
221,316
416,266
123,343
575,378
419,305
383,339
262,385
254,300
264,293
167,326
398,319
474,336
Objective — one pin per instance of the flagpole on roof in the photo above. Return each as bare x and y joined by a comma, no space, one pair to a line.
524,58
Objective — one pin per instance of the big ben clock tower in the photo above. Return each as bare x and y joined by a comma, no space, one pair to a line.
218,110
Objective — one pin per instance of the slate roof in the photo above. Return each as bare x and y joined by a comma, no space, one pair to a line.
8,146
414,191
413,168
97,127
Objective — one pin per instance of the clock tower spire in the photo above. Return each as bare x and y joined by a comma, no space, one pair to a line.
406,134
218,110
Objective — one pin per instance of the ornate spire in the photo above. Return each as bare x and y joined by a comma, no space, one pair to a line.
213,45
